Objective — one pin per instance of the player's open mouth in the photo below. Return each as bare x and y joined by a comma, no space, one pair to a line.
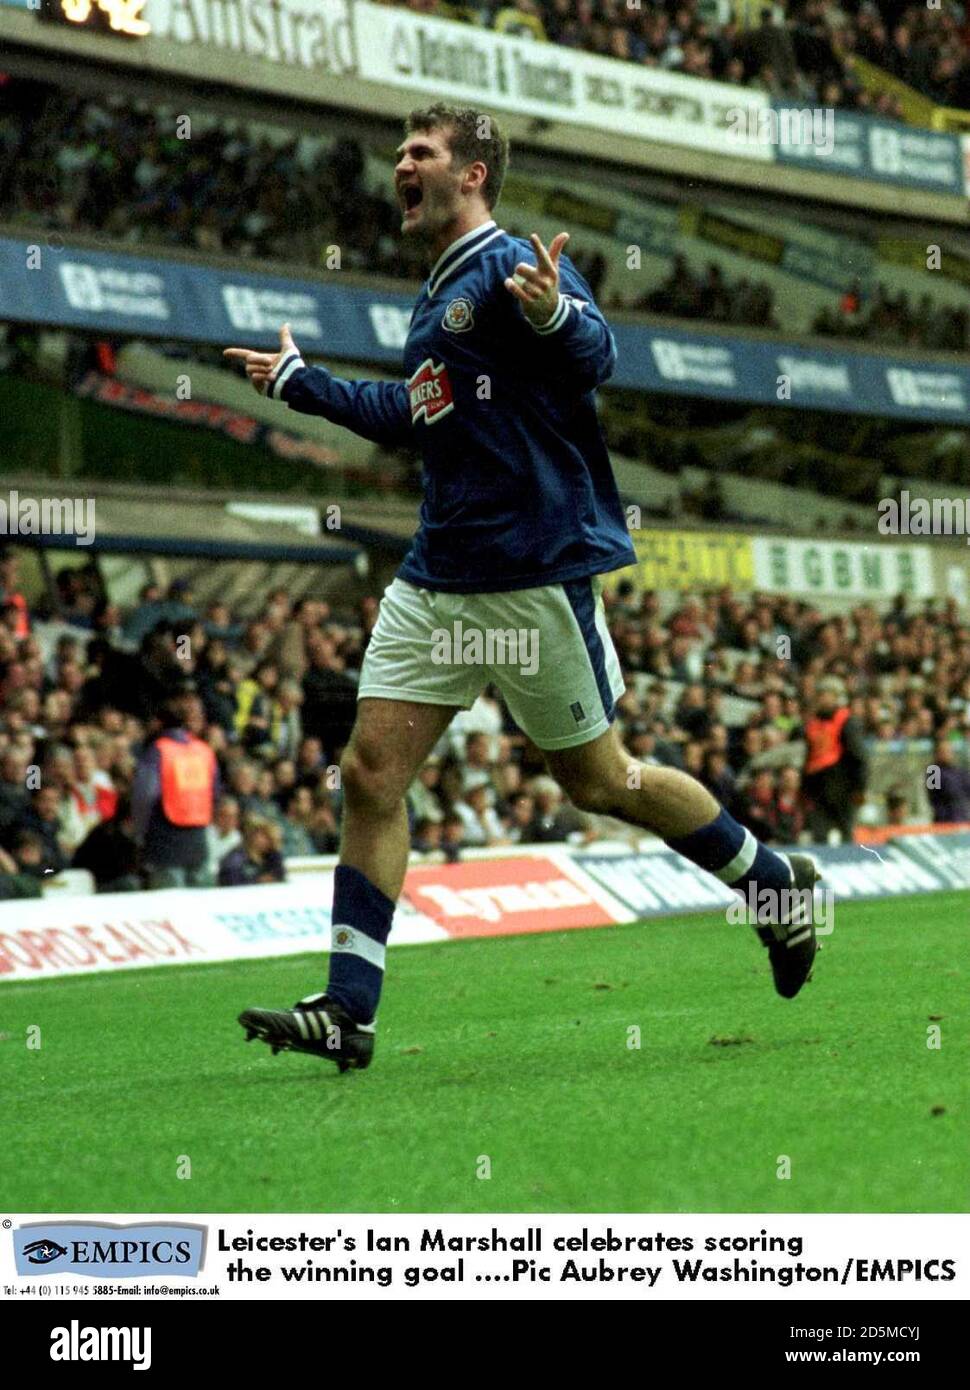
411,196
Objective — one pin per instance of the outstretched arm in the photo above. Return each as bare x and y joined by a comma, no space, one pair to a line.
376,410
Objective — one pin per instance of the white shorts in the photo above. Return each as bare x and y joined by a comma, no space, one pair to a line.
548,651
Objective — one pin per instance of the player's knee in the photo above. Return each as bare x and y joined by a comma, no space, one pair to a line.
367,781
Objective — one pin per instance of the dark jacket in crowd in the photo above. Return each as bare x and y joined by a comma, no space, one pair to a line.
237,869
951,800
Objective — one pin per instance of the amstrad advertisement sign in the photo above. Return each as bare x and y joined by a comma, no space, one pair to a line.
312,34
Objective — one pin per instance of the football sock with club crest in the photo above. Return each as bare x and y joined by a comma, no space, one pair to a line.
361,924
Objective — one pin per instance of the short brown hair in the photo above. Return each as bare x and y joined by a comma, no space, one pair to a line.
472,135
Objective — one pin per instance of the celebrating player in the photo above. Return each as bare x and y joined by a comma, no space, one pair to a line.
520,516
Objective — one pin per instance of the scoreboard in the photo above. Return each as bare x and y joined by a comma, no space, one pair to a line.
123,18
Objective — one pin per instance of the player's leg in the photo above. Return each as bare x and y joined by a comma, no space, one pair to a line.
405,702
390,741
602,777
566,706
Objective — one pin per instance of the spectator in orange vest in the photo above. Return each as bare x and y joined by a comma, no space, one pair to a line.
174,791
11,595
835,773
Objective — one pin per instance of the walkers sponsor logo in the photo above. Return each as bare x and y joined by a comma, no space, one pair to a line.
77,1343
103,1250
497,897
429,391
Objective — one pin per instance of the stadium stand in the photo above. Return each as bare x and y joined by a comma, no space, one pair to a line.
801,51
274,664
80,676
117,167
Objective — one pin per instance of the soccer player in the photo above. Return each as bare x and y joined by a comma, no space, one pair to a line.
520,516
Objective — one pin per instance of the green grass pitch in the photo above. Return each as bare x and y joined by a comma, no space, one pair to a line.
515,1048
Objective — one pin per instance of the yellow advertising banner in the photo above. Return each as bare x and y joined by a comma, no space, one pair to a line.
689,560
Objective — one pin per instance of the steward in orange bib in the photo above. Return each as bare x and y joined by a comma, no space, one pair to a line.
174,791
10,595
835,773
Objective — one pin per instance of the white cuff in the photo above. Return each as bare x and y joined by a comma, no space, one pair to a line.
559,316
293,363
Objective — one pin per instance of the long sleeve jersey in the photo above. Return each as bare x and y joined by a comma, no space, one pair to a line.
518,487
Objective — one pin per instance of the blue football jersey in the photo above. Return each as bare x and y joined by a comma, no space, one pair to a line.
518,487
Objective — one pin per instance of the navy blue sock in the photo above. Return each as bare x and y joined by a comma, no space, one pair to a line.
733,855
360,926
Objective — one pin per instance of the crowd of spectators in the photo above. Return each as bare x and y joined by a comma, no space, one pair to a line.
925,45
711,296
801,51
138,171
82,688
117,167
896,319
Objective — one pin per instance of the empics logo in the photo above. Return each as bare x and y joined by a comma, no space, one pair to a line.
103,1250
76,1343
429,391
42,1252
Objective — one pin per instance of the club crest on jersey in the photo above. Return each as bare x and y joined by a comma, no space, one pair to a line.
429,391
459,316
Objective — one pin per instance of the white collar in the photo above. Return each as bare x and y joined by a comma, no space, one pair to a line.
460,251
